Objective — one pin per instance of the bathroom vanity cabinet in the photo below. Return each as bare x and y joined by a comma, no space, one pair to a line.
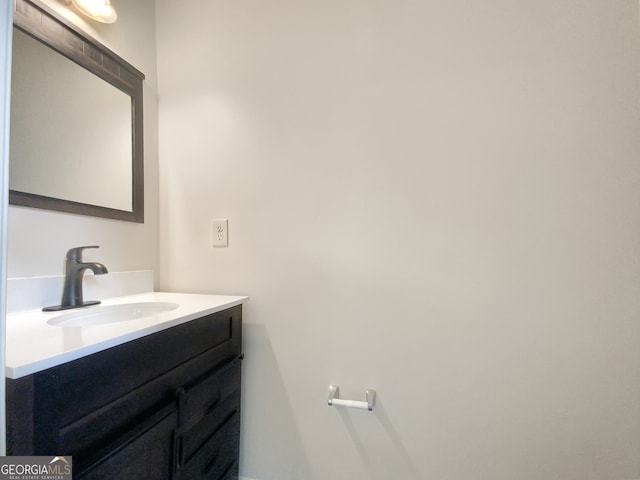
165,406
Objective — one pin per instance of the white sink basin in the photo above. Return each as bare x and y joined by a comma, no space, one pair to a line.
102,314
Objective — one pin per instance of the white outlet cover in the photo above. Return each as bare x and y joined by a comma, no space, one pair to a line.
220,229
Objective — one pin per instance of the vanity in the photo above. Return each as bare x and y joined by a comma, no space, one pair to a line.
154,396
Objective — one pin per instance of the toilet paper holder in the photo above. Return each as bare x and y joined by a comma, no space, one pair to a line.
334,394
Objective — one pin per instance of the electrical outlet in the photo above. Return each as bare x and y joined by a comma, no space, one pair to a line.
221,233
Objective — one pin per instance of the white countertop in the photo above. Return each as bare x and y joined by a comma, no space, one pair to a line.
34,345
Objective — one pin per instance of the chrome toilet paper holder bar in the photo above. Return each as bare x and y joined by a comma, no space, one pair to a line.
334,394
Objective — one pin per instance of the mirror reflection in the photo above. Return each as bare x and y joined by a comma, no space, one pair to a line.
71,132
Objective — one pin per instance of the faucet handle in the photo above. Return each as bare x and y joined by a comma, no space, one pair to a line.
75,254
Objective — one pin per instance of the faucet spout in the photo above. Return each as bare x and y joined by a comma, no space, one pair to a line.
72,296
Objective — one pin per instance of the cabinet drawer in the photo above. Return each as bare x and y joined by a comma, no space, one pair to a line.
217,457
209,396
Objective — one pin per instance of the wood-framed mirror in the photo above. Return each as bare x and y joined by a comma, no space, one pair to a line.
76,141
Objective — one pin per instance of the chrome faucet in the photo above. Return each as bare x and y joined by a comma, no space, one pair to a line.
74,271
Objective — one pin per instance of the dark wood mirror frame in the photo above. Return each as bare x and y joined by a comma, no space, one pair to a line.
56,32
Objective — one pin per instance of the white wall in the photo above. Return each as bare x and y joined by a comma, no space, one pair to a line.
39,239
436,199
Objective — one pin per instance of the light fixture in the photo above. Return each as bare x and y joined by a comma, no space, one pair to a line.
99,10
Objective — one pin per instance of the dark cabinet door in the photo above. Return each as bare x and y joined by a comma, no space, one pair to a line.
210,426
145,453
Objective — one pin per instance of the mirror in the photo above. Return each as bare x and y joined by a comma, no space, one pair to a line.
76,121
